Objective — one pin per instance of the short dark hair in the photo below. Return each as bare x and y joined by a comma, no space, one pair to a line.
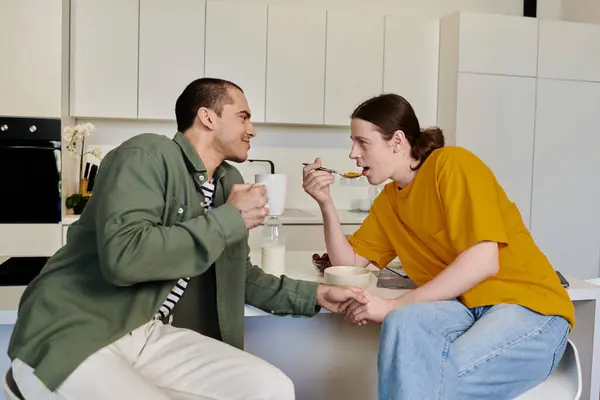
204,92
391,113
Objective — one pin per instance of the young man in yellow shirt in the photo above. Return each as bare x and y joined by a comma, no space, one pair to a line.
489,318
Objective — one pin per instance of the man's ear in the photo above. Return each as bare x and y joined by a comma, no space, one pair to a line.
206,117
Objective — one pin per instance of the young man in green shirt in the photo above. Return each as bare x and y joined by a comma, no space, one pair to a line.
146,299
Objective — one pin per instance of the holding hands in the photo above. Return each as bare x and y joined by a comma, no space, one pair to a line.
333,298
358,306
373,309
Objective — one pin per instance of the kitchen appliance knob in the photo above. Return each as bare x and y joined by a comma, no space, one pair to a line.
4,128
32,128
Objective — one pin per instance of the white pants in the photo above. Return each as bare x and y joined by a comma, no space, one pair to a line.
161,362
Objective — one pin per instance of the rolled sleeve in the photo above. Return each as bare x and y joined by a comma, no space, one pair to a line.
306,300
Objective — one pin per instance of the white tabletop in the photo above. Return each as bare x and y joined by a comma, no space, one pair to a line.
298,266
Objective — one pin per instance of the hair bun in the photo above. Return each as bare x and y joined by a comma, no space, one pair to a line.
431,138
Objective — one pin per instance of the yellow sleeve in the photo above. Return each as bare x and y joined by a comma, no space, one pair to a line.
470,193
370,240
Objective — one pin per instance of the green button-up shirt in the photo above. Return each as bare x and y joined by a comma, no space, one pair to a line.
143,229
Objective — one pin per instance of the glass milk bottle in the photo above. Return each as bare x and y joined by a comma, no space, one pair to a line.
273,247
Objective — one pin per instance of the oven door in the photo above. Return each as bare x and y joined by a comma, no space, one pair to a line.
30,181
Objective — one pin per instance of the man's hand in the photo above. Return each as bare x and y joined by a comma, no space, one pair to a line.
250,200
374,309
332,297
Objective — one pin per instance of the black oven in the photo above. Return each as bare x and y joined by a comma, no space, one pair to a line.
30,170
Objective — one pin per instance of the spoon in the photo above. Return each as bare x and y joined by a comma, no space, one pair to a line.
396,272
347,175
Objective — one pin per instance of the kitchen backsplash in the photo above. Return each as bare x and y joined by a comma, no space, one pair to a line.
287,146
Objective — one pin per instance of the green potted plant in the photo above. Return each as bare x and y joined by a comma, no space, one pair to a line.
77,203
74,138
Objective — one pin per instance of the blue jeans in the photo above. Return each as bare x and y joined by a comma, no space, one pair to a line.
443,350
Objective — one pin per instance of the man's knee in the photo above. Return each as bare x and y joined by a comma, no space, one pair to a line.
272,384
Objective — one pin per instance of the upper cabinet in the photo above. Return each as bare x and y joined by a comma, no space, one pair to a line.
354,62
236,49
495,117
490,44
31,77
569,50
486,95
411,64
566,193
295,65
171,53
104,58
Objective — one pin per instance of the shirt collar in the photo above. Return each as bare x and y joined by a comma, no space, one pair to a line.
193,160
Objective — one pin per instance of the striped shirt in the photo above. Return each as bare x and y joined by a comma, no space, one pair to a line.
208,189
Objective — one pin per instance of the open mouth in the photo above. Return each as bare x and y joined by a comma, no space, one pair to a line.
365,170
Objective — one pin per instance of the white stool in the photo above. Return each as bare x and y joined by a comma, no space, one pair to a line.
594,281
563,384
10,387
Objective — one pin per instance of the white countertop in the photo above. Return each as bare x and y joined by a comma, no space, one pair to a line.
298,266
291,216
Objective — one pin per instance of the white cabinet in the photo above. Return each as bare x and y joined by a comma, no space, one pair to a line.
492,44
565,220
495,118
104,58
171,53
236,49
65,228
411,63
487,95
295,65
569,50
31,50
354,62
30,240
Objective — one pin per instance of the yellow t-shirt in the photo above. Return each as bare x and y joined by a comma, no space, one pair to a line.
453,203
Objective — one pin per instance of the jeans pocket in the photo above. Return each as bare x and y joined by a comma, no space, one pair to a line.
560,349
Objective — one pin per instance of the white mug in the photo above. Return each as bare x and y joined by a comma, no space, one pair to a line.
276,185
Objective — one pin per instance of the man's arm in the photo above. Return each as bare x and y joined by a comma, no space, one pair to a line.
280,296
133,245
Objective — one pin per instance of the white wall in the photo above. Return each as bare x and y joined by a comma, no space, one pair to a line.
581,11
550,9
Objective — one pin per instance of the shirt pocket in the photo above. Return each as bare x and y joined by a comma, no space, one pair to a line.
177,212
442,247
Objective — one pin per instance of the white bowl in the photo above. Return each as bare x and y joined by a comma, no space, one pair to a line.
348,276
